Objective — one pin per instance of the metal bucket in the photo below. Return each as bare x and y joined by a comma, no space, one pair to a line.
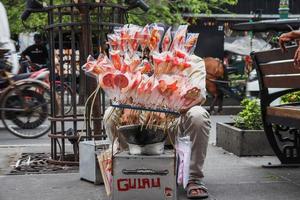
145,141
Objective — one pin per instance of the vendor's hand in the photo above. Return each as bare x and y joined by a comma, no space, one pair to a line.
286,37
185,109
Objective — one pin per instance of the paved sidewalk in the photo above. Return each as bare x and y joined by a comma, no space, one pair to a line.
228,177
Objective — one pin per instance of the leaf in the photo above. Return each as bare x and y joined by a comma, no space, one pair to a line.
250,117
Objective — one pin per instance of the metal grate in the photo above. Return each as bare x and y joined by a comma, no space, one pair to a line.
37,163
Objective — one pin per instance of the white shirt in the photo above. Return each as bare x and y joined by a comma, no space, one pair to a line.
197,75
4,28
5,41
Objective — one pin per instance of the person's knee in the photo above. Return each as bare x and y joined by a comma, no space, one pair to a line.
199,117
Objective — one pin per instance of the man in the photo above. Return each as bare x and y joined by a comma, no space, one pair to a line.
287,37
194,121
5,41
37,53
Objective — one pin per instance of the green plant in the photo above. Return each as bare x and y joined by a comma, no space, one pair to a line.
164,11
237,79
250,117
291,97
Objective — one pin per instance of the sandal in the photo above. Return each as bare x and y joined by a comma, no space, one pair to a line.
196,186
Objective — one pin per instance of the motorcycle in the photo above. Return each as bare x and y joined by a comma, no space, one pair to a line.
40,72
23,106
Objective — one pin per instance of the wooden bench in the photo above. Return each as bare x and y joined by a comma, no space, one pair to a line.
281,122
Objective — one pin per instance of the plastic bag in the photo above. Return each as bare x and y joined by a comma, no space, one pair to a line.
183,150
105,163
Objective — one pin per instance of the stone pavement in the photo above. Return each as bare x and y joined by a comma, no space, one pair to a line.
228,177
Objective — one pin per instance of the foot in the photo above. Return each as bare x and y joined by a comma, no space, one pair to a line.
196,190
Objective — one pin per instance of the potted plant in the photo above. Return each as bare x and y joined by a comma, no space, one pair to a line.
245,137
293,97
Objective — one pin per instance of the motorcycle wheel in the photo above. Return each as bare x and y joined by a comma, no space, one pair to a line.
25,114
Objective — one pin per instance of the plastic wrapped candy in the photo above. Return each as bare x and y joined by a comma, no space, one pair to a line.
145,67
158,63
113,41
167,85
89,65
191,42
123,37
161,79
166,42
179,38
143,37
155,37
133,34
116,59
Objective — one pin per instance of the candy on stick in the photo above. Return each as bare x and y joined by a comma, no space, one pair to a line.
121,80
126,75
167,85
104,63
180,53
159,62
133,33
190,43
106,82
113,41
146,67
123,36
135,62
90,64
140,95
179,37
131,90
143,37
155,37
169,60
116,59
166,42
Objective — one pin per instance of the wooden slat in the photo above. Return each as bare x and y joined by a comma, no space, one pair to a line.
285,112
285,115
275,54
282,81
280,67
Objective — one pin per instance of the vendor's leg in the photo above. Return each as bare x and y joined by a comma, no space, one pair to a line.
110,120
196,123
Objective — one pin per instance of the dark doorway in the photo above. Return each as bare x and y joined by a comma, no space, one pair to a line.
211,38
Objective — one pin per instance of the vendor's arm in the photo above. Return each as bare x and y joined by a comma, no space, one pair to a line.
286,37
